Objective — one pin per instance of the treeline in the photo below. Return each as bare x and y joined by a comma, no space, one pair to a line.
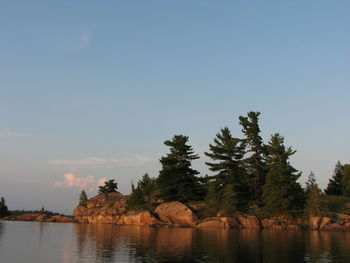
249,175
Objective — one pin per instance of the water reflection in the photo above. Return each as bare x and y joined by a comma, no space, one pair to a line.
107,243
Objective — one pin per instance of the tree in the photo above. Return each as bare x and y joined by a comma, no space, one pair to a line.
3,208
311,180
227,153
255,147
316,204
141,194
83,198
345,181
42,210
109,187
334,186
177,181
281,193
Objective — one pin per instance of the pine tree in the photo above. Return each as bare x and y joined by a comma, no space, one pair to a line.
141,195
83,198
316,202
227,153
177,181
229,200
109,187
282,193
346,180
311,180
255,147
334,186
3,208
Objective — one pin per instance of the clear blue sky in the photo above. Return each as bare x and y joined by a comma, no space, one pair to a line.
91,89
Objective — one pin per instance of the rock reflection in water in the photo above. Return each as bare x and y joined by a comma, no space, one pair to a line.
107,243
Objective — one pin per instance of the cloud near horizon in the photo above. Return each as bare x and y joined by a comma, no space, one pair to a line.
8,133
93,162
87,182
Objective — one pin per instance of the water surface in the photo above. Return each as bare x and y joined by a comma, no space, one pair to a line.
59,242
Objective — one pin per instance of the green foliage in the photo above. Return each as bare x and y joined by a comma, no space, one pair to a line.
3,208
345,181
42,211
177,181
227,153
335,183
109,187
282,192
337,204
255,163
229,200
140,197
83,198
316,204
311,180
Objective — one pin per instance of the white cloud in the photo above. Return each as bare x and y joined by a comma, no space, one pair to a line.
71,180
101,182
8,132
93,162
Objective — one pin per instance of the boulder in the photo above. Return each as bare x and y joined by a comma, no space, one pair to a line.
176,213
212,223
248,221
103,208
267,223
315,222
61,219
137,218
324,221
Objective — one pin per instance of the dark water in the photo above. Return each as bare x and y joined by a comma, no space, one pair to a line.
55,242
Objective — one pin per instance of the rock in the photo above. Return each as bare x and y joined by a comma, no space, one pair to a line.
335,227
176,213
27,217
61,219
315,222
41,218
212,223
324,221
293,227
267,223
248,221
344,217
137,218
230,222
279,227
103,208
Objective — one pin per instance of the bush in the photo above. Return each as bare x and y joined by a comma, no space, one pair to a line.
337,204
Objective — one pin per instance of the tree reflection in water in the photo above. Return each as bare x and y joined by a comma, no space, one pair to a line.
108,243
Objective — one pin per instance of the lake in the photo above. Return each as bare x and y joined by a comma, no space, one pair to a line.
66,243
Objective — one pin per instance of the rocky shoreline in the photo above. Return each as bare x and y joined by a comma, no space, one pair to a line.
112,209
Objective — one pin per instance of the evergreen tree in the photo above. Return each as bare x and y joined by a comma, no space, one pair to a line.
346,180
311,180
227,153
3,208
83,198
255,147
282,193
316,202
42,210
141,195
334,186
177,181
229,200
109,187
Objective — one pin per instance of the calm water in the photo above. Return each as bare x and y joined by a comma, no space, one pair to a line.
55,242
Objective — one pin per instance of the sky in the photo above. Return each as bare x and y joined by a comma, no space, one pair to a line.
90,90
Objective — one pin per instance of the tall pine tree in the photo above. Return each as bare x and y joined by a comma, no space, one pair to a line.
177,181
282,193
227,153
334,186
346,180
316,202
83,198
256,149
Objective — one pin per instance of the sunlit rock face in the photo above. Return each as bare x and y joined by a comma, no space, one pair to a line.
176,213
248,221
103,208
137,218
